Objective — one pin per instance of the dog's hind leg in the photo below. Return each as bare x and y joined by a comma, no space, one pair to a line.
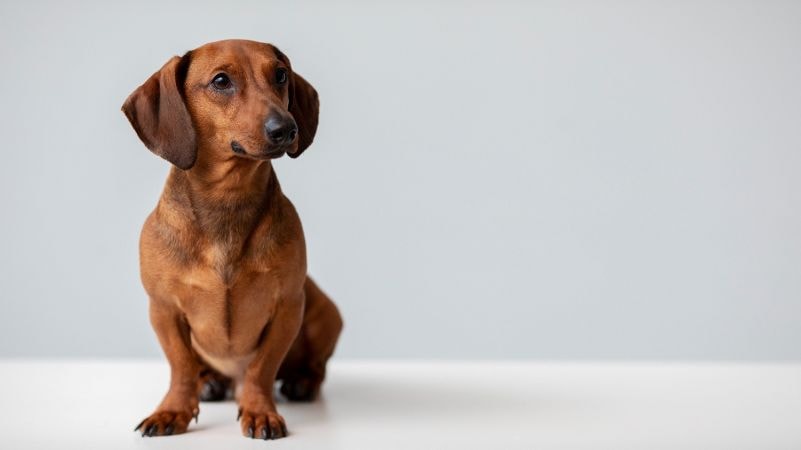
303,370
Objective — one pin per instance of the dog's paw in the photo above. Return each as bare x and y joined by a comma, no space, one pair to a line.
265,425
213,390
165,423
300,390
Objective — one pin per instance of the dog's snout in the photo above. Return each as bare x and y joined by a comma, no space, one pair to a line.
280,130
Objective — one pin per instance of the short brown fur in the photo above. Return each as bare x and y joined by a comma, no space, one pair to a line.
223,256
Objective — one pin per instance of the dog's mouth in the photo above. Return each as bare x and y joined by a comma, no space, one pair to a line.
268,152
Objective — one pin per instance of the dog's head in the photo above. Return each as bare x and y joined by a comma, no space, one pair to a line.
229,97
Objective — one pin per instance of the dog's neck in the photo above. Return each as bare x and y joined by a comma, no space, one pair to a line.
224,198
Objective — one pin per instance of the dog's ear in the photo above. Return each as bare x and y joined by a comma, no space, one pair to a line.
304,105
157,111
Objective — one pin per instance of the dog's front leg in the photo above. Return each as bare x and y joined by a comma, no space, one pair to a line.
257,413
180,403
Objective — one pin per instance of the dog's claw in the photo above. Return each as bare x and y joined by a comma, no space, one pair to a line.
165,423
238,415
264,425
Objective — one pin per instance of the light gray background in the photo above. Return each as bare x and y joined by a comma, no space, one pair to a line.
489,180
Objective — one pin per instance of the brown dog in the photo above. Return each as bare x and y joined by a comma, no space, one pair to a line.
223,256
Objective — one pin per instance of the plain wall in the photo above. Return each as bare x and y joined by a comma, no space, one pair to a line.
490,180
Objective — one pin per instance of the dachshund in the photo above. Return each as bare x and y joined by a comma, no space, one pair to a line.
223,256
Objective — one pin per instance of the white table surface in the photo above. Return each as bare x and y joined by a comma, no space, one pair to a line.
426,405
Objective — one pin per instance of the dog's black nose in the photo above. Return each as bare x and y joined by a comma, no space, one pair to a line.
281,131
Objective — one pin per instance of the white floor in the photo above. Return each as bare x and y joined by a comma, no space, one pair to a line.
426,405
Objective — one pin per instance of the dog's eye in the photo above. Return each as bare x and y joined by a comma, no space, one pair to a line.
221,82
281,75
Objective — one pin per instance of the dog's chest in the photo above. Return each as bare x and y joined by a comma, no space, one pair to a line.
224,261
227,300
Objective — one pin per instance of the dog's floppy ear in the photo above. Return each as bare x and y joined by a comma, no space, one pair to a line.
304,105
158,113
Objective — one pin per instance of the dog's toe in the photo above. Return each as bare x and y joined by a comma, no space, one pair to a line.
164,423
265,426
